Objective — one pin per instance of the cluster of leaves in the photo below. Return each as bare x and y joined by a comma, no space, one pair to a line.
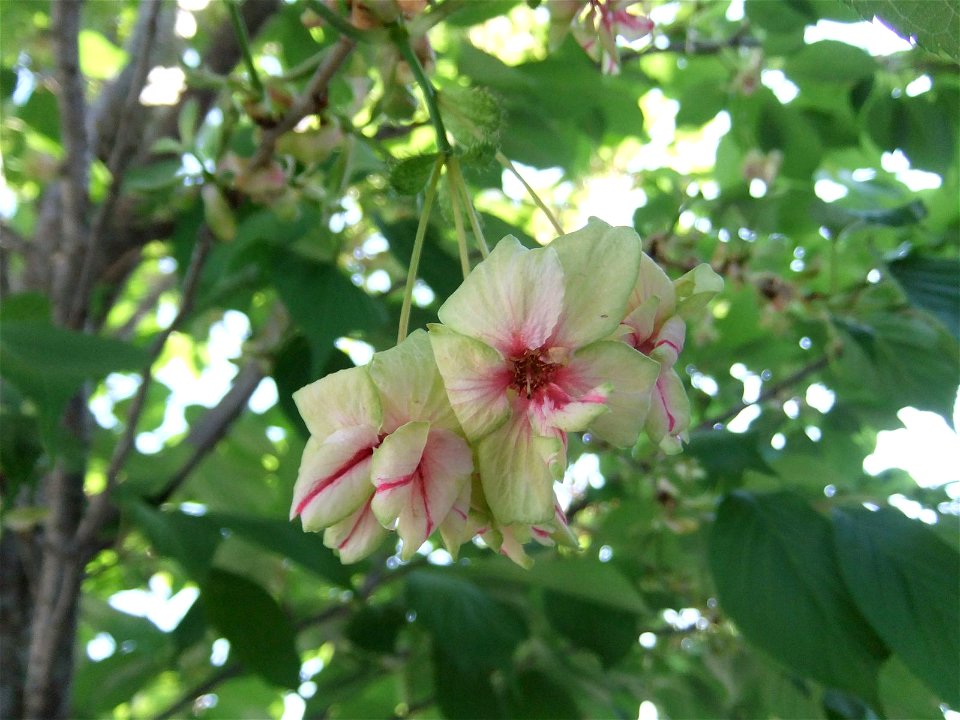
858,295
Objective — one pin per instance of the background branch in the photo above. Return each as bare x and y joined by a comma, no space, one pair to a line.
65,23
770,391
307,103
128,132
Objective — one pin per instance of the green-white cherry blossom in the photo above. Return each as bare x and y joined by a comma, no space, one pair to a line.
527,353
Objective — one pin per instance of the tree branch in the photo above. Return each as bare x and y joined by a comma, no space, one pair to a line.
214,425
128,132
65,22
769,392
307,102
99,509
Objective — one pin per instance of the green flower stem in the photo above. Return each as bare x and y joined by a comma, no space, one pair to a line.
458,219
417,250
243,39
401,38
456,179
505,161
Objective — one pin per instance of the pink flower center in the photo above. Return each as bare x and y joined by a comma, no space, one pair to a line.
531,371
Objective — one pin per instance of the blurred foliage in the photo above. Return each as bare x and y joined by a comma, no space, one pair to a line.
757,584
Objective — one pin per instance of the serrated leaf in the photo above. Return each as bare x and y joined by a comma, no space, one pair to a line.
906,582
934,23
472,115
410,175
259,632
772,559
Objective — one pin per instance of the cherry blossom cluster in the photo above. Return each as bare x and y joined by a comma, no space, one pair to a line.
463,429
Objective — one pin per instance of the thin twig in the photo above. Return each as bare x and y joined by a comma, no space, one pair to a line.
225,673
119,160
213,426
769,392
99,509
401,39
307,101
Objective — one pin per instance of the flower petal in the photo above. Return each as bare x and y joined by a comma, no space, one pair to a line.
455,528
669,415
334,477
641,322
410,385
517,472
418,473
356,536
696,288
652,282
511,301
600,265
669,342
631,376
346,398
557,409
476,379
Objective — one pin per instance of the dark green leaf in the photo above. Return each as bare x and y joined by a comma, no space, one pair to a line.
538,696
772,559
466,623
608,632
188,539
259,632
324,303
289,541
585,579
726,456
375,627
933,284
906,582
464,693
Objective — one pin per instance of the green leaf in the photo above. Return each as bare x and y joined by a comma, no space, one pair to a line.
903,696
586,579
829,61
726,456
934,23
536,695
410,175
468,625
772,559
324,303
260,633
906,581
464,693
188,539
49,364
376,627
608,632
931,283
289,541
914,360
472,115
160,175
